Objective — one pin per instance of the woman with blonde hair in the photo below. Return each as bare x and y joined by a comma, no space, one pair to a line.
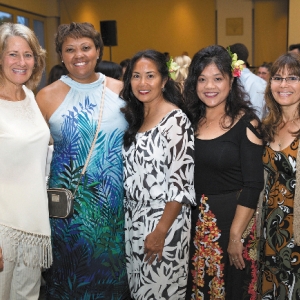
183,61
24,225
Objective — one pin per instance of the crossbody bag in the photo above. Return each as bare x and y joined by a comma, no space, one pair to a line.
61,200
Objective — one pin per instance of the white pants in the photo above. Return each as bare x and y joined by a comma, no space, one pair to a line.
19,282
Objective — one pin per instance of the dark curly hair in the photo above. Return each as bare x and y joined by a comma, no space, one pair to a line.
78,30
237,100
134,109
273,118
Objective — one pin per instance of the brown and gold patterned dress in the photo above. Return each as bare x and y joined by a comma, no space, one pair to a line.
279,261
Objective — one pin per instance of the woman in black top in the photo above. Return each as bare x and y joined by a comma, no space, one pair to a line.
228,178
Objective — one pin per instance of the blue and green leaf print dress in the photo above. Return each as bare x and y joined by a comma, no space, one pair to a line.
88,248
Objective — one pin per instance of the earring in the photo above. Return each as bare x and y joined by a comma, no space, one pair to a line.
163,89
62,61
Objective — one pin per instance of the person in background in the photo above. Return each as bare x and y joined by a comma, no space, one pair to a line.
264,71
253,85
294,48
25,242
88,248
56,72
228,179
279,245
181,73
110,69
158,156
124,63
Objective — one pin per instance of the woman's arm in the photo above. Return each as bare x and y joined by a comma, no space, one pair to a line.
241,219
155,241
252,172
50,97
179,150
114,84
1,260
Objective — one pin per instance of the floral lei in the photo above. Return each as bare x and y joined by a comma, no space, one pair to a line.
236,65
172,67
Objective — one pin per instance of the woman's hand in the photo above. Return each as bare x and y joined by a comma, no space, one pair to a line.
235,252
1,260
155,241
235,248
154,245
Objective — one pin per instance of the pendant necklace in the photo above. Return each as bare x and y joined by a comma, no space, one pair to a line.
279,142
207,124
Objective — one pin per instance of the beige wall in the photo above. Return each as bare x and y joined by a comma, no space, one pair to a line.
42,7
232,9
264,27
175,26
166,25
294,23
270,30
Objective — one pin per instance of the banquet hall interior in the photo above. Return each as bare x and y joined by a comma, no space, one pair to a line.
266,27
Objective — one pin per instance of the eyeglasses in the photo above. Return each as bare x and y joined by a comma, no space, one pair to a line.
289,80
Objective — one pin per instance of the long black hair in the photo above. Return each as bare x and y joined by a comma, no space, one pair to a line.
237,99
134,109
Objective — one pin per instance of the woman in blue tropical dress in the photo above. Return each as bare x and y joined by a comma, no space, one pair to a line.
88,248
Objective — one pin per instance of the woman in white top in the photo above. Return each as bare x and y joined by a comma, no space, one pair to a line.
24,135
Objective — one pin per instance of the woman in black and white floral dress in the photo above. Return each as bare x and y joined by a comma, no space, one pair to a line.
158,158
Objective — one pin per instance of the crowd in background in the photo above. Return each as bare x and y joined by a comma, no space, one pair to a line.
190,190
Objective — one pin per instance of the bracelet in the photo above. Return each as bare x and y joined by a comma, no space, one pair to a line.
235,241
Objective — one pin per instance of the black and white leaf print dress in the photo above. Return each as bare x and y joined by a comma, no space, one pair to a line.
159,168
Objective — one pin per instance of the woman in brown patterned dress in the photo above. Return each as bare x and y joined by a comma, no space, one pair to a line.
279,246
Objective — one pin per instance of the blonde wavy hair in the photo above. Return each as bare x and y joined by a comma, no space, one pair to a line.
8,30
183,61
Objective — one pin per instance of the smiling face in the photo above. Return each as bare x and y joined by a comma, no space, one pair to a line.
147,82
285,94
17,61
213,87
80,58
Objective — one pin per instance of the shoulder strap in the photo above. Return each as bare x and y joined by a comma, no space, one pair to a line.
253,129
95,138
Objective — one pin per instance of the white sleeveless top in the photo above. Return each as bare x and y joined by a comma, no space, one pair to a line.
24,217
